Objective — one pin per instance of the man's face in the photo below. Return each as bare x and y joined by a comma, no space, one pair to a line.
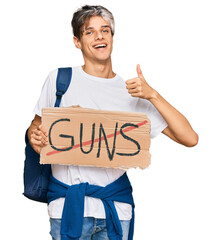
96,40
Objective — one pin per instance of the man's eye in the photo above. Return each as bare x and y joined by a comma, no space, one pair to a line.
106,30
89,33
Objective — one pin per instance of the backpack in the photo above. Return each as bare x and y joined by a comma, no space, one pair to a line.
36,176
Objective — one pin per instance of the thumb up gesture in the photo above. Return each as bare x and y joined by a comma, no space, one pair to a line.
138,87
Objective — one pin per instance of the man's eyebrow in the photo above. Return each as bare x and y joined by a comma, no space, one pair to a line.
104,26
90,28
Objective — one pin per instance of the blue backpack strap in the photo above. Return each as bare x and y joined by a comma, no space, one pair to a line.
62,84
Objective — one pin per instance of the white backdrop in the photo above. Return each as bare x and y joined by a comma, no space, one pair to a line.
178,46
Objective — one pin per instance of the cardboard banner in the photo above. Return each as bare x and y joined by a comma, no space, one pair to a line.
88,137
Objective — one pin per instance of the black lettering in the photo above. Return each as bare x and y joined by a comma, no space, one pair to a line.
110,154
92,138
61,135
130,139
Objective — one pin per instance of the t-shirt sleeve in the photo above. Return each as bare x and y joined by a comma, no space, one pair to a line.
45,99
158,124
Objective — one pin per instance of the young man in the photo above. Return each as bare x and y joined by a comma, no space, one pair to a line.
95,85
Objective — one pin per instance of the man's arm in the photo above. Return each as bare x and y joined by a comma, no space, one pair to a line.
37,135
179,129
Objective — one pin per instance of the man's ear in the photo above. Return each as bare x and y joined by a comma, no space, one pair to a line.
77,42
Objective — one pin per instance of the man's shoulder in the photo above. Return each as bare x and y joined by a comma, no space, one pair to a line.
53,73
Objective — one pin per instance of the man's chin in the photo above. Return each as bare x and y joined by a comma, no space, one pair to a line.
103,59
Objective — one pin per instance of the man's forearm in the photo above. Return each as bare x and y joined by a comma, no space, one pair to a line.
178,125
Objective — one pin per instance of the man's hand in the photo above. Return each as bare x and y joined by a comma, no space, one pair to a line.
39,138
138,87
179,129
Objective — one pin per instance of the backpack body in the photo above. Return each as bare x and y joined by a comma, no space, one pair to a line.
36,176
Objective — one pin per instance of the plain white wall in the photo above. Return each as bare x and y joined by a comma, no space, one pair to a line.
178,46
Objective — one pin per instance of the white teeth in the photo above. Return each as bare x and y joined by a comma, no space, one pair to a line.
101,45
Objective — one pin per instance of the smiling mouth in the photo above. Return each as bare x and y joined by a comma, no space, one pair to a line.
100,46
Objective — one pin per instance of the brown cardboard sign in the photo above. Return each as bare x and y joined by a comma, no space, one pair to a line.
87,137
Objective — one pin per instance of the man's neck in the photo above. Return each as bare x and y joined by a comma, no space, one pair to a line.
102,70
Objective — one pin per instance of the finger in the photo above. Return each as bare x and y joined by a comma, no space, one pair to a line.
36,142
138,94
45,141
139,72
36,132
43,130
135,90
133,80
36,137
132,85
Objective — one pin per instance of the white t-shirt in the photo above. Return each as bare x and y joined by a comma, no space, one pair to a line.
103,94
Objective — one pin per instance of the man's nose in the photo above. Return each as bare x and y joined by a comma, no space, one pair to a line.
99,35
